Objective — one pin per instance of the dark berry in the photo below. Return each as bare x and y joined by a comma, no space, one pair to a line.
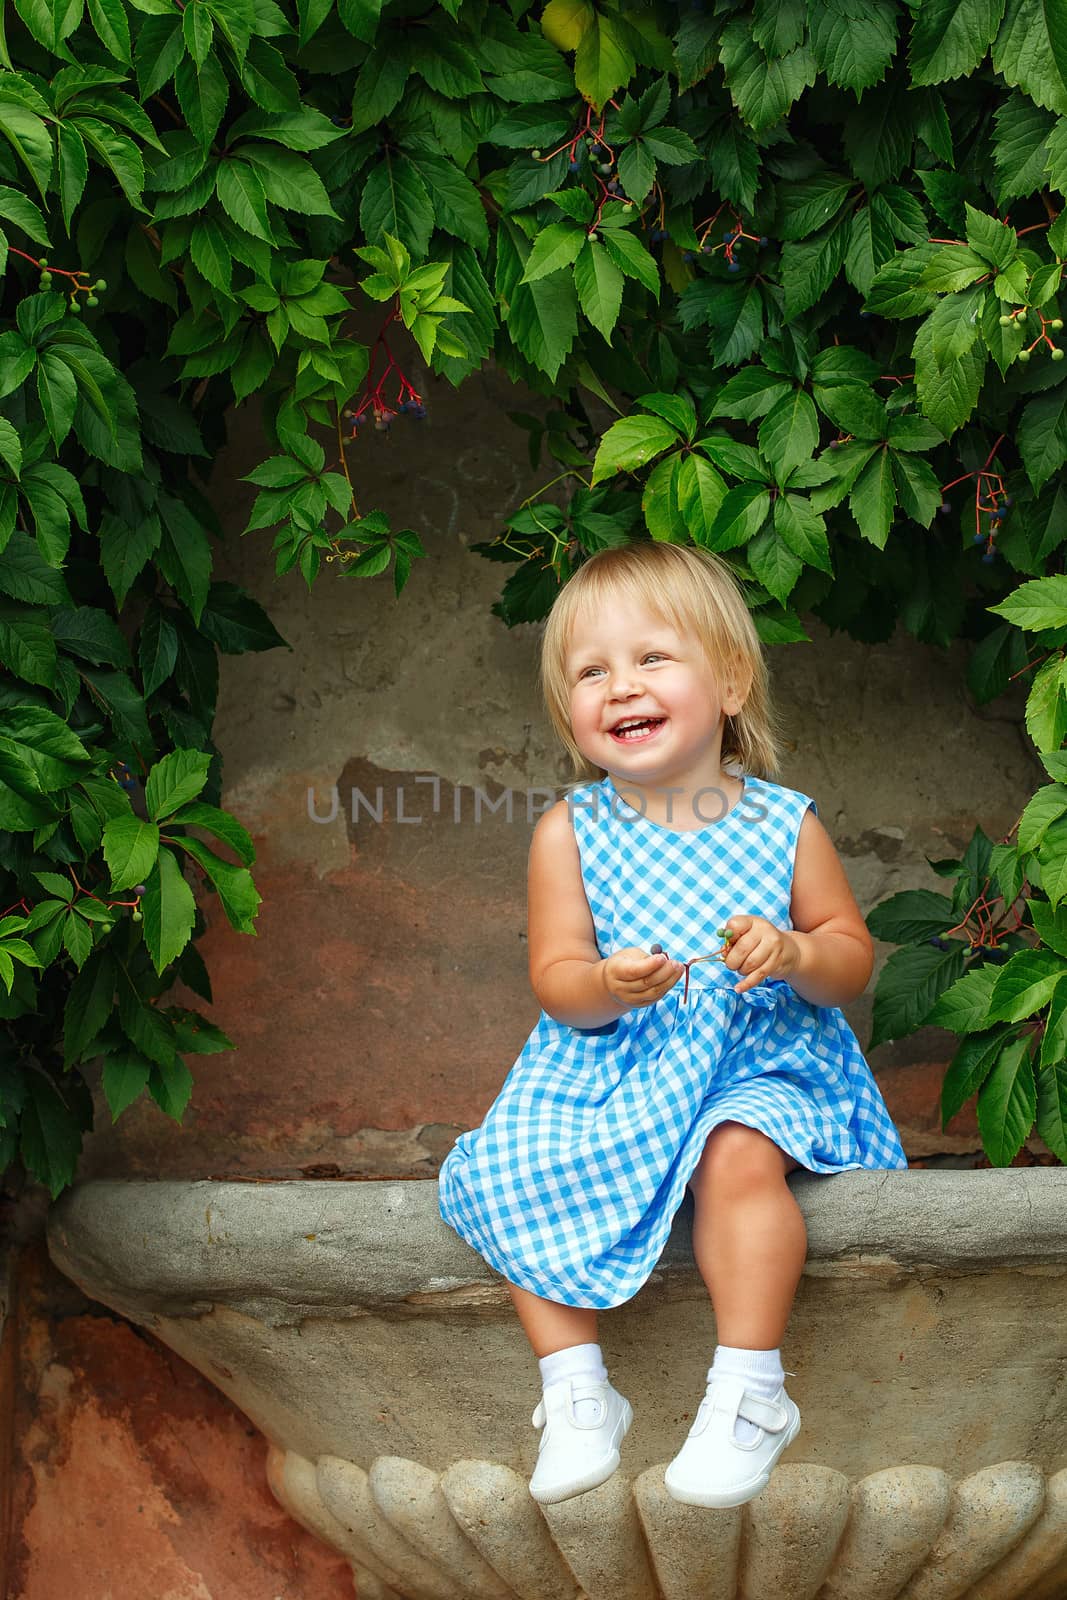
989,556
726,238
689,255
657,950
945,506
733,266
938,944
764,239
141,889
979,538
572,166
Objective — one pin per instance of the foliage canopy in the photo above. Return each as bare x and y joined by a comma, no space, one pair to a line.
809,254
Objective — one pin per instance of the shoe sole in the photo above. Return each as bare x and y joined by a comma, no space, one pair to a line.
591,1479
733,1497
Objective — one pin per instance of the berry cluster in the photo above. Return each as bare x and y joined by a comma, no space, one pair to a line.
125,778
382,411
991,503
1056,352
725,934
591,139
731,241
79,284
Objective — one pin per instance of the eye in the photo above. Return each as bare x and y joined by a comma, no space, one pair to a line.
654,655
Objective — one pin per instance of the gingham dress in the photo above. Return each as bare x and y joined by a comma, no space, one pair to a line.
569,1186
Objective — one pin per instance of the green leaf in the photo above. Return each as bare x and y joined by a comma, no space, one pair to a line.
1025,55
244,198
948,394
911,915
953,325
993,240
1020,151
968,1070
789,433
762,90
949,38
740,517
599,285
169,911
1052,1098
238,894
637,169
130,850
602,62
806,207
50,1131
555,247
677,409
630,443
125,1075
701,492
631,257
1042,435
965,1007
1046,707
1025,984
734,158
1007,1103
909,985
1039,604
953,267
174,781
237,623
88,1007
202,96
803,530
874,497
660,504
854,57
221,824
395,200
774,563
810,267
1040,813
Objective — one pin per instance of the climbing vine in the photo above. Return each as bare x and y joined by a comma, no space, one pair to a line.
808,257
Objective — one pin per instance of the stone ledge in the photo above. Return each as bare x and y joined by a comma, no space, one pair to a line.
300,1249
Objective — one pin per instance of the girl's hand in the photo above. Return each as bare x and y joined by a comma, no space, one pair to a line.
759,950
635,978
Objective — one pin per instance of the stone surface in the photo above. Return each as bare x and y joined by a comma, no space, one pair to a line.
894,1518
136,1479
387,987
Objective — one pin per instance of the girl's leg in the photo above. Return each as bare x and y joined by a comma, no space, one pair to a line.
550,1326
749,1237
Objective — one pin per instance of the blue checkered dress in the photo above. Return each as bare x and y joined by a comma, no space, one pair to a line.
569,1186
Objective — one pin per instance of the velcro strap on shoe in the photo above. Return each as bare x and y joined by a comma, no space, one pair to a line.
764,1413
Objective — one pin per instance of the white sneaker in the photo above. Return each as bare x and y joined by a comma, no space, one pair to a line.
715,1469
574,1456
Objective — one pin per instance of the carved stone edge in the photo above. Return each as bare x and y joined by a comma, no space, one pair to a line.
473,1532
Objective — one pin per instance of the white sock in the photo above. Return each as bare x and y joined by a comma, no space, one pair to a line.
761,1371
576,1361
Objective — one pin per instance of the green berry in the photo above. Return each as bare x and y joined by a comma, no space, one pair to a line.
1006,322
1024,355
91,300
1056,323
724,933
101,283
75,307
137,915
536,154
1057,354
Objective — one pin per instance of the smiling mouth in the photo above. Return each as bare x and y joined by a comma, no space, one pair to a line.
638,732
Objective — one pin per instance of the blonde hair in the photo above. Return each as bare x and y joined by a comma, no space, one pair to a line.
697,593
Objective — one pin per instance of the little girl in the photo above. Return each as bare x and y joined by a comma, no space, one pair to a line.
647,1071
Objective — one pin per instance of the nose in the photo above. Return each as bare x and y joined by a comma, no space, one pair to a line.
622,685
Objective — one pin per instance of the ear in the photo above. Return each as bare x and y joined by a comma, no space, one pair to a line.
736,684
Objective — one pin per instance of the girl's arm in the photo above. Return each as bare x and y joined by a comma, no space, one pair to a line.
566,968
835,953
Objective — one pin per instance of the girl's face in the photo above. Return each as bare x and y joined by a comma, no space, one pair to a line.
626,664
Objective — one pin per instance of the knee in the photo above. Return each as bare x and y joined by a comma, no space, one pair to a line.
738,1159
